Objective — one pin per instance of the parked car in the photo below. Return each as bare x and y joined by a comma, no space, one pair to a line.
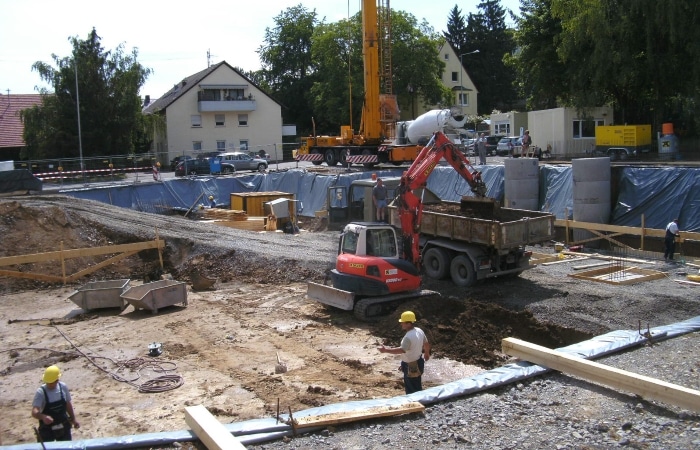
507,146
491,144
177,160
512,146
235,161
198,166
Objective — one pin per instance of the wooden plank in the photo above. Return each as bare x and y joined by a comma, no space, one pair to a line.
692,283
591,266
31,276
80,252
209,430
98,266
566,260
635,231
363,414
644,386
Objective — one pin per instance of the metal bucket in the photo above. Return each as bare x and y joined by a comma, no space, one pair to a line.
101,294
156,295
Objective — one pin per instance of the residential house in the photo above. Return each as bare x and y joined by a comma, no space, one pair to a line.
11,126
218,109
454,76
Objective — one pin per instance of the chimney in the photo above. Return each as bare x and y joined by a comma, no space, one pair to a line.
147,101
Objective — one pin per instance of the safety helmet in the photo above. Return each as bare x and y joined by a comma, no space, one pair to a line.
407,316
51,374
211,197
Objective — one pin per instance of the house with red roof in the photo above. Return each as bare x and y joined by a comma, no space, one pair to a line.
11,126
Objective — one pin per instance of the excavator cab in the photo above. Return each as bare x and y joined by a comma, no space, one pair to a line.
369,261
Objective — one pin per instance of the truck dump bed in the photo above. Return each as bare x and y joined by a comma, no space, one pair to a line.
484,222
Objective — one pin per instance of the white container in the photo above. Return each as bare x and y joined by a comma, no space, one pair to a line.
591,193
522,183
7,165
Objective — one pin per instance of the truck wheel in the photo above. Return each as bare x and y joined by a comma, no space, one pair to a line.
623,155
316,152
366,152
436,262
331,160
462,271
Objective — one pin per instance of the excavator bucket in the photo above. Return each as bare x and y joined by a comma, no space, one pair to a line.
328,295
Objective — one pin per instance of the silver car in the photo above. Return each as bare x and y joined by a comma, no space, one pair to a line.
235,161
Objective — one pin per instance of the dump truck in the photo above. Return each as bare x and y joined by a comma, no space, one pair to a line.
622,141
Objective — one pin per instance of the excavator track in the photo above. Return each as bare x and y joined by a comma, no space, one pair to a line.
370,309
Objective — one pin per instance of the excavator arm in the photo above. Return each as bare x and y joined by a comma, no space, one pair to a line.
410,206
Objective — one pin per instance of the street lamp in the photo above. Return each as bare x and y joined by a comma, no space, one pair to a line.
77,101
461,69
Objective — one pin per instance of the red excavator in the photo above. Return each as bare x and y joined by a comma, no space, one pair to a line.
377,268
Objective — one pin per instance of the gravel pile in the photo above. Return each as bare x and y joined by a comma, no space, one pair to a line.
551,411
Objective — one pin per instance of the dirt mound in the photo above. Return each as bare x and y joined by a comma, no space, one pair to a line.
471,332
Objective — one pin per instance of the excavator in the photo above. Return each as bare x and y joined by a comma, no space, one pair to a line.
378,266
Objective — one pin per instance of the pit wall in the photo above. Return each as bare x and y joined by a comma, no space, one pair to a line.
660,194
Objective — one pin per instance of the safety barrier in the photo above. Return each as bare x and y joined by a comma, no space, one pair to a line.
363,159
310,157
92,172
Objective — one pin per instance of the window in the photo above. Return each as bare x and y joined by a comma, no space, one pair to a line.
234,94
243,120
209,95
220,120
502,128
244,146
463,99
221,146
447,56
197,146
455,77
585,128
196,120
350,242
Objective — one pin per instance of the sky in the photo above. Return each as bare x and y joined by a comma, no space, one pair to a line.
173,39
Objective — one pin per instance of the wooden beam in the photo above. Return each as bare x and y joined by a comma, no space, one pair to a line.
634,231
104,263
646,387
209,430
80,252
363,414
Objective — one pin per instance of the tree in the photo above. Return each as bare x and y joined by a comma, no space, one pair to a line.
326,82
487,32
287,65
456,33
108,83
540,74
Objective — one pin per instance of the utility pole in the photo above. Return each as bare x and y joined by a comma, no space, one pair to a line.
77,102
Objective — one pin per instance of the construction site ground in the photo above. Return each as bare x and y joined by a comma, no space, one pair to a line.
254,345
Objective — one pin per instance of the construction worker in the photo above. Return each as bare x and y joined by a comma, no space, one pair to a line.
212,202
672,233
379,194
414,351
53,408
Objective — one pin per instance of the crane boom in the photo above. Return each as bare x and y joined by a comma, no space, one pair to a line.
410,207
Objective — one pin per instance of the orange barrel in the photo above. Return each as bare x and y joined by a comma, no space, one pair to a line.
666,128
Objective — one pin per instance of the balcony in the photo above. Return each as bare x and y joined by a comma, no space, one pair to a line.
207,103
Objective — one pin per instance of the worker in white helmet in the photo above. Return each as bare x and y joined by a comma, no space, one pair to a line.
53,408
414,351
